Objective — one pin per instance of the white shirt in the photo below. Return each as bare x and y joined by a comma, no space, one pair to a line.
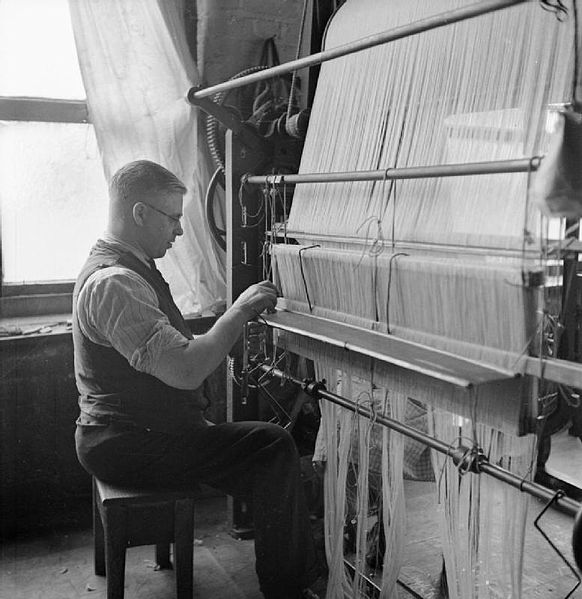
118,308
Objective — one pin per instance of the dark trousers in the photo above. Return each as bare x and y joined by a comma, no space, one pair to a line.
254,461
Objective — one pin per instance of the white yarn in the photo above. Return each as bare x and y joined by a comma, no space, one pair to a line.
478,90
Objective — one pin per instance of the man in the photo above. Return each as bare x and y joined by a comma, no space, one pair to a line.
139,373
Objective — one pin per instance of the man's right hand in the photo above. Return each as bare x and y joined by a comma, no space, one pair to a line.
188,365
256,299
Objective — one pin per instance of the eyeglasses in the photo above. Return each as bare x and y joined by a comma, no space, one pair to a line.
177,220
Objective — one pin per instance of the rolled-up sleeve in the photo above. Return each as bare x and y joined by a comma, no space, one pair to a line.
164,337
118,308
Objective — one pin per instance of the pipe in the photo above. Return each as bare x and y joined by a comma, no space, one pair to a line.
318,391
522,165
406,245
433,22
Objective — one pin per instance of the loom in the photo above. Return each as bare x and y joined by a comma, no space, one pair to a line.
414,266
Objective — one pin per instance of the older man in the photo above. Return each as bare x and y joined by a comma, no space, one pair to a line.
139,372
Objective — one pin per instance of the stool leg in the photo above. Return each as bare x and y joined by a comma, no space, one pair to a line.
98,538
163,556
115,521
184,547
98,542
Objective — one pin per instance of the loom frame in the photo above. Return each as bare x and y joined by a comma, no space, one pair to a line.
243,268
241,273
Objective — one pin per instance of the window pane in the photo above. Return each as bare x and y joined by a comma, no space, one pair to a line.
37,50
53,199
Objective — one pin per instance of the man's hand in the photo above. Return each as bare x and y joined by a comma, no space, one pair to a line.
187,366
256,299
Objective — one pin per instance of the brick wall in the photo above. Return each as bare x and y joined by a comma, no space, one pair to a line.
231,34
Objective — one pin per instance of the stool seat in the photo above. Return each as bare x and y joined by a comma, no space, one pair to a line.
128,516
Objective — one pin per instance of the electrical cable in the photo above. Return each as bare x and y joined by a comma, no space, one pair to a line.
218,234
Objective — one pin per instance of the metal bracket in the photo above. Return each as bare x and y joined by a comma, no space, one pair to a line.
247,134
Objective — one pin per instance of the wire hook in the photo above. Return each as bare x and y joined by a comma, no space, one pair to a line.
557,495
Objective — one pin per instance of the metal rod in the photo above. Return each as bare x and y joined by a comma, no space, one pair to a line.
521,165
371,584
374,587
363,411
405,245
433,22
540,492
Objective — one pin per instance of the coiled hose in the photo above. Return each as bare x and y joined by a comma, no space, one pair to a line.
213,143
212,123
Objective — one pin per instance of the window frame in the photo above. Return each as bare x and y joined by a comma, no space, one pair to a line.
42,297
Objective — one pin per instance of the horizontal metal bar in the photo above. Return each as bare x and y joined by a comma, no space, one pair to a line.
521,165
391,423
556,248
555,370
433,22
445,248
570,506
569,246
536,490
437,364
418,358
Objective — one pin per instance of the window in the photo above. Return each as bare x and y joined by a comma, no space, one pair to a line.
53,194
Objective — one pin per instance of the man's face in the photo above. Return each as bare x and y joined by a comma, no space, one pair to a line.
161,223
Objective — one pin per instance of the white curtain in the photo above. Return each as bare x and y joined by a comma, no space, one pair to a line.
137,69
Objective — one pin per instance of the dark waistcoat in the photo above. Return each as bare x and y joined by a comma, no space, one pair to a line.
109,388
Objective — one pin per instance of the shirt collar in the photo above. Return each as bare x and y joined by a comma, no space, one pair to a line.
128,247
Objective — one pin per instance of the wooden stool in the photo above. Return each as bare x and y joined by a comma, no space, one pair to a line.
129,517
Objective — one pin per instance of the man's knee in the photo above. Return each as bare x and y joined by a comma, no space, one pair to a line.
277,433
279,439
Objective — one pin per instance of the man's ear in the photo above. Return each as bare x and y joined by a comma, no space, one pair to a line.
138,212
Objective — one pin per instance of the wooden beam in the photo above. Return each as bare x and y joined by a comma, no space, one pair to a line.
44,110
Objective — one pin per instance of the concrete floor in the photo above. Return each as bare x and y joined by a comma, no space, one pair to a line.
56,562
54,559
545,575
565,461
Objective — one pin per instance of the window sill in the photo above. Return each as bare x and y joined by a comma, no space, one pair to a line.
41,305
48,305
22,327
19,327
